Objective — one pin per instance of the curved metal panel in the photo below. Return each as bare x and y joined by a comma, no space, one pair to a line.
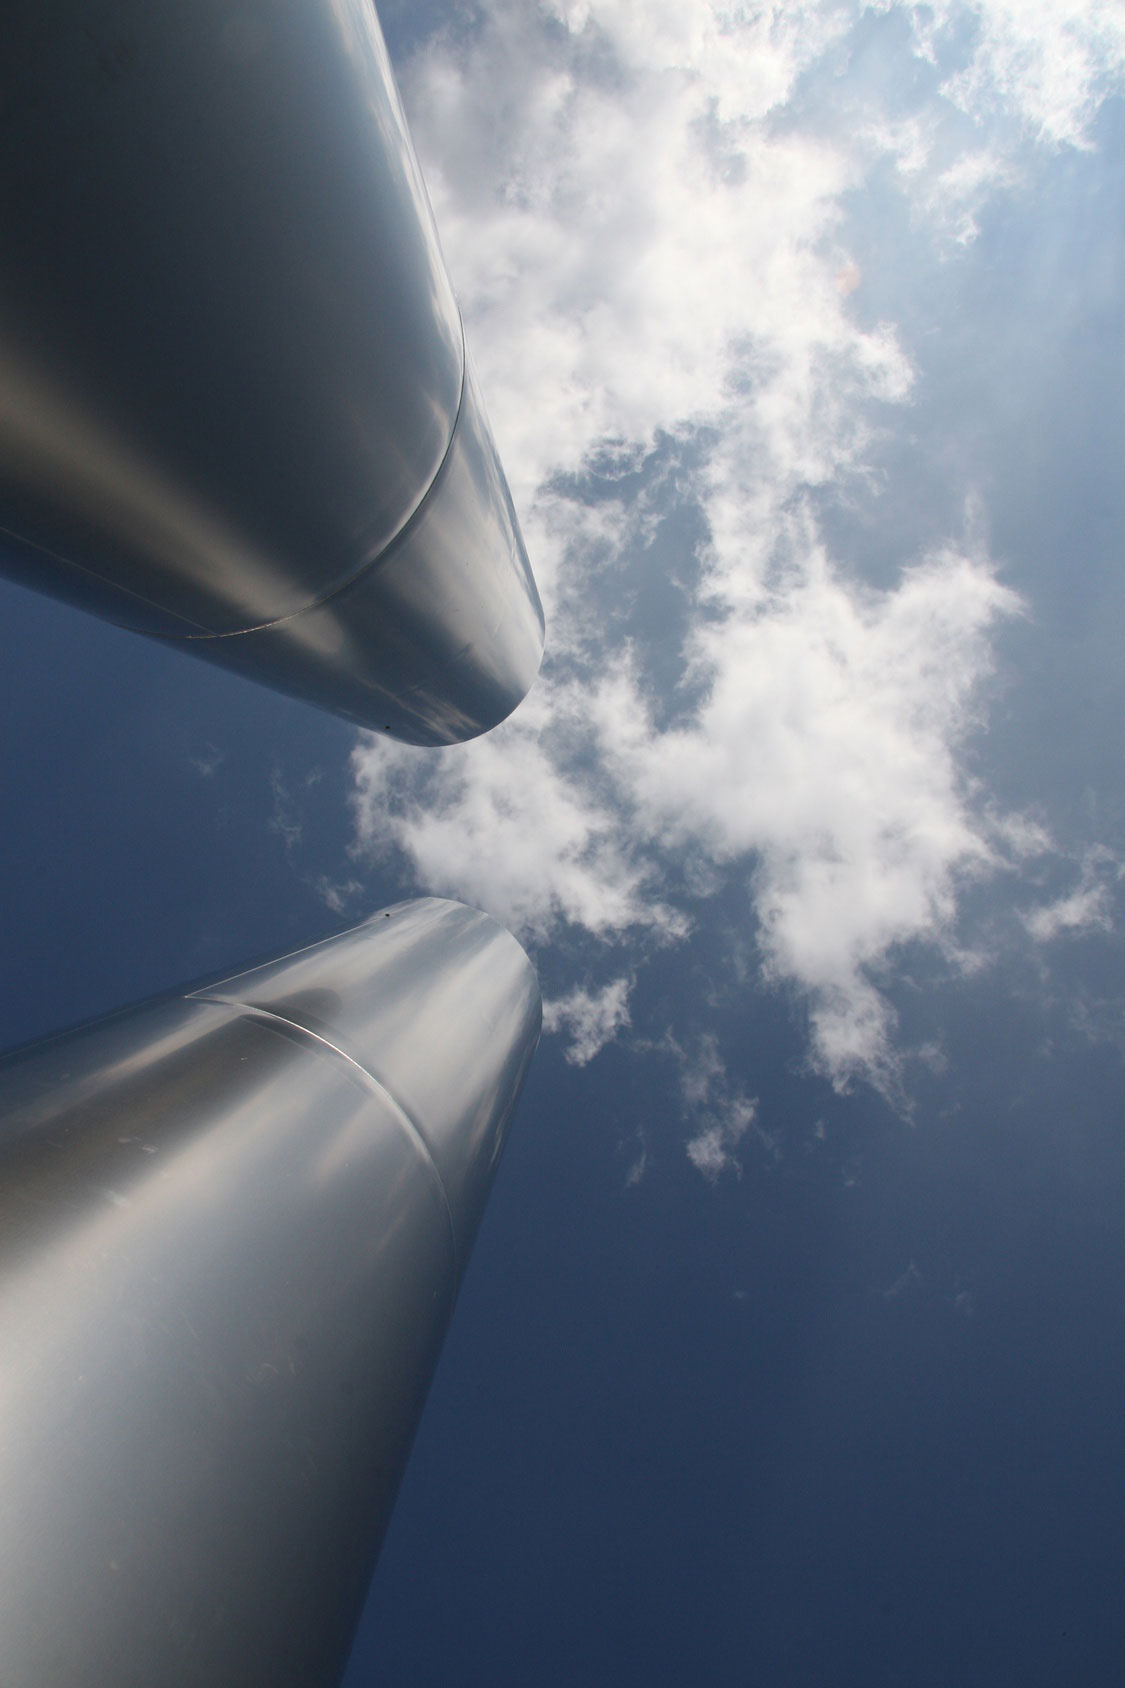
448,1083
227,1261
231,363
441,638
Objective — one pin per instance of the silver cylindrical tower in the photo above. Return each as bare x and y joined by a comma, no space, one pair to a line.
236,411
232,1227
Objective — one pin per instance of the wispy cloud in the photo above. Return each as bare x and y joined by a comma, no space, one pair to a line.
338,894
905,1284
1049,64
285,821
716,1109
207,761
1087,908
592,1018
639,1165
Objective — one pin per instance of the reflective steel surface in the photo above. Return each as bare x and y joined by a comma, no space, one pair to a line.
232,1226
232,367
442,637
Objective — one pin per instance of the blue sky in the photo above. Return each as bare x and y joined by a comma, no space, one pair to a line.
791,1349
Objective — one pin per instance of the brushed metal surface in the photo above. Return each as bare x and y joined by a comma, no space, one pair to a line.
232,365
229,1249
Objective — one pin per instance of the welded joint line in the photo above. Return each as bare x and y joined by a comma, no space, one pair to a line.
398,537
22,541
372,1083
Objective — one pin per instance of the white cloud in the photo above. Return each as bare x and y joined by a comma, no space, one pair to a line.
825,751
710,1151
906,1283
645,234
718,1112
1049,63
1084,910
508,823
638,1168
207,762
1038,72
1088,908
627,237
337,894
593,1019
285,821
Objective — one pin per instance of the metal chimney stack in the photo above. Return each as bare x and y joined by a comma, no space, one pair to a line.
236,411
232,1227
